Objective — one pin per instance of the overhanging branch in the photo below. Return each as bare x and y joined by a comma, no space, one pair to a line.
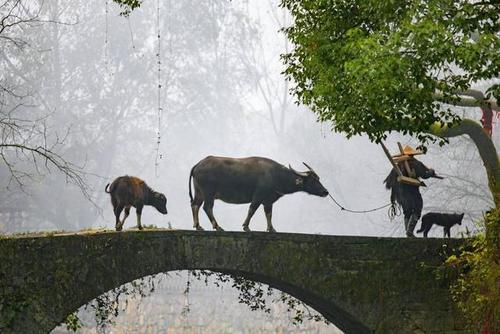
473,100
485,146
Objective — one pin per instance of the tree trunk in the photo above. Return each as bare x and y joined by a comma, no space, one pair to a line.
485,146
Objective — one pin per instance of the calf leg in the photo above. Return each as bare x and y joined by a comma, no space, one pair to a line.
195,208
208,207
268,209
118,210
251,210
138,210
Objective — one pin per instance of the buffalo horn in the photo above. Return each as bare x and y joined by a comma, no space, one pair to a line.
309,167
296,172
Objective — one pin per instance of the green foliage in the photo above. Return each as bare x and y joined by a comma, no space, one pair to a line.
127,6
256,297
11,307
73,322
108,306
372,66
476,288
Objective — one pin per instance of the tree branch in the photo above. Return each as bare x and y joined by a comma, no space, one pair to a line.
475,100
485,146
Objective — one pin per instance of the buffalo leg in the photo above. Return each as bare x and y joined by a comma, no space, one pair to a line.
127,212
138,210
251,210
195,208
268,209
118,211
208,207
447,231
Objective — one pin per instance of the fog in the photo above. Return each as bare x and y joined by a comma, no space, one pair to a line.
94,75
90,78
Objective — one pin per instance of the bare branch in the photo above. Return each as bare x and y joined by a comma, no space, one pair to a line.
476,99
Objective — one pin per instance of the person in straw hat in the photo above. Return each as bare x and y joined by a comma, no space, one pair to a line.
407,194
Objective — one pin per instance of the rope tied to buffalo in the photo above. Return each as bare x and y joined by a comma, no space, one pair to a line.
392,212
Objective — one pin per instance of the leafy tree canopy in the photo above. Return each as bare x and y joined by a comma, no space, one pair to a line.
373,66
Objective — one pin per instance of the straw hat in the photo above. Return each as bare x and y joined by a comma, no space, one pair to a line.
408,150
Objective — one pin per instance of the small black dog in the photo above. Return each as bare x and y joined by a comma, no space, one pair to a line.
446,220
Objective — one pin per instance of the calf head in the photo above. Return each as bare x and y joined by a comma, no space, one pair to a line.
459,218
159,201
309,182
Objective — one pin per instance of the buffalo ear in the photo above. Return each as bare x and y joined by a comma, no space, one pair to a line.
299,181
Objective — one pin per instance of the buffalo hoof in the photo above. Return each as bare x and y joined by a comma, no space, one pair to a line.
118,228
271,230
140,227
199,228
246,228
218,228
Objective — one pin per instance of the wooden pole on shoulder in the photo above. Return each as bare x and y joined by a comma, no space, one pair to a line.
394,165
401,177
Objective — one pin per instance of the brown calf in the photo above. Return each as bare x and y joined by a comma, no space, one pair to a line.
127,191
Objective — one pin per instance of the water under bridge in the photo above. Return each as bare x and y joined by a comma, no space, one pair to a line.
361,284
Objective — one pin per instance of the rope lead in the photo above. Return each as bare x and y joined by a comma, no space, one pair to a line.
342,208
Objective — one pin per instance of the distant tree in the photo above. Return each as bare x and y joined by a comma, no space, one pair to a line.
372,67
25,138
104,86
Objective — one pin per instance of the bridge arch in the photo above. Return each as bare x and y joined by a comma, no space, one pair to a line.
330,311
360,284
304,296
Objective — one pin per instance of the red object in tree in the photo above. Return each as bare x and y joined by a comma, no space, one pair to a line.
487,119
487,324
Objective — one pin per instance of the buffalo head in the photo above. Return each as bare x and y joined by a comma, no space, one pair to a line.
309,182
159,201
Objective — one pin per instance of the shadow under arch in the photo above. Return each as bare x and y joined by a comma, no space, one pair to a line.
338,317
334,314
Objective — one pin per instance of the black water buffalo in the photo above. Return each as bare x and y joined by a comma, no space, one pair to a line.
253,180
127,191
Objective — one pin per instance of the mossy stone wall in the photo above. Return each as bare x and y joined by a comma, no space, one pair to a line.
362,284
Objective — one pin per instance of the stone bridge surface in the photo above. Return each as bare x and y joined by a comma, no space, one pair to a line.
361,284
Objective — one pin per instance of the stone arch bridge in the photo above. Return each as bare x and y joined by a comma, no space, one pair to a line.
361,284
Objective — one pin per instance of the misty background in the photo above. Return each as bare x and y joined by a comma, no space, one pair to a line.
89,77
92,76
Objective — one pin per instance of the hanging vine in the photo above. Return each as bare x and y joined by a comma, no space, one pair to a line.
106,12
160,110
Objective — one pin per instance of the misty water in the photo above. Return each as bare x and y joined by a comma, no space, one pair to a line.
91,77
